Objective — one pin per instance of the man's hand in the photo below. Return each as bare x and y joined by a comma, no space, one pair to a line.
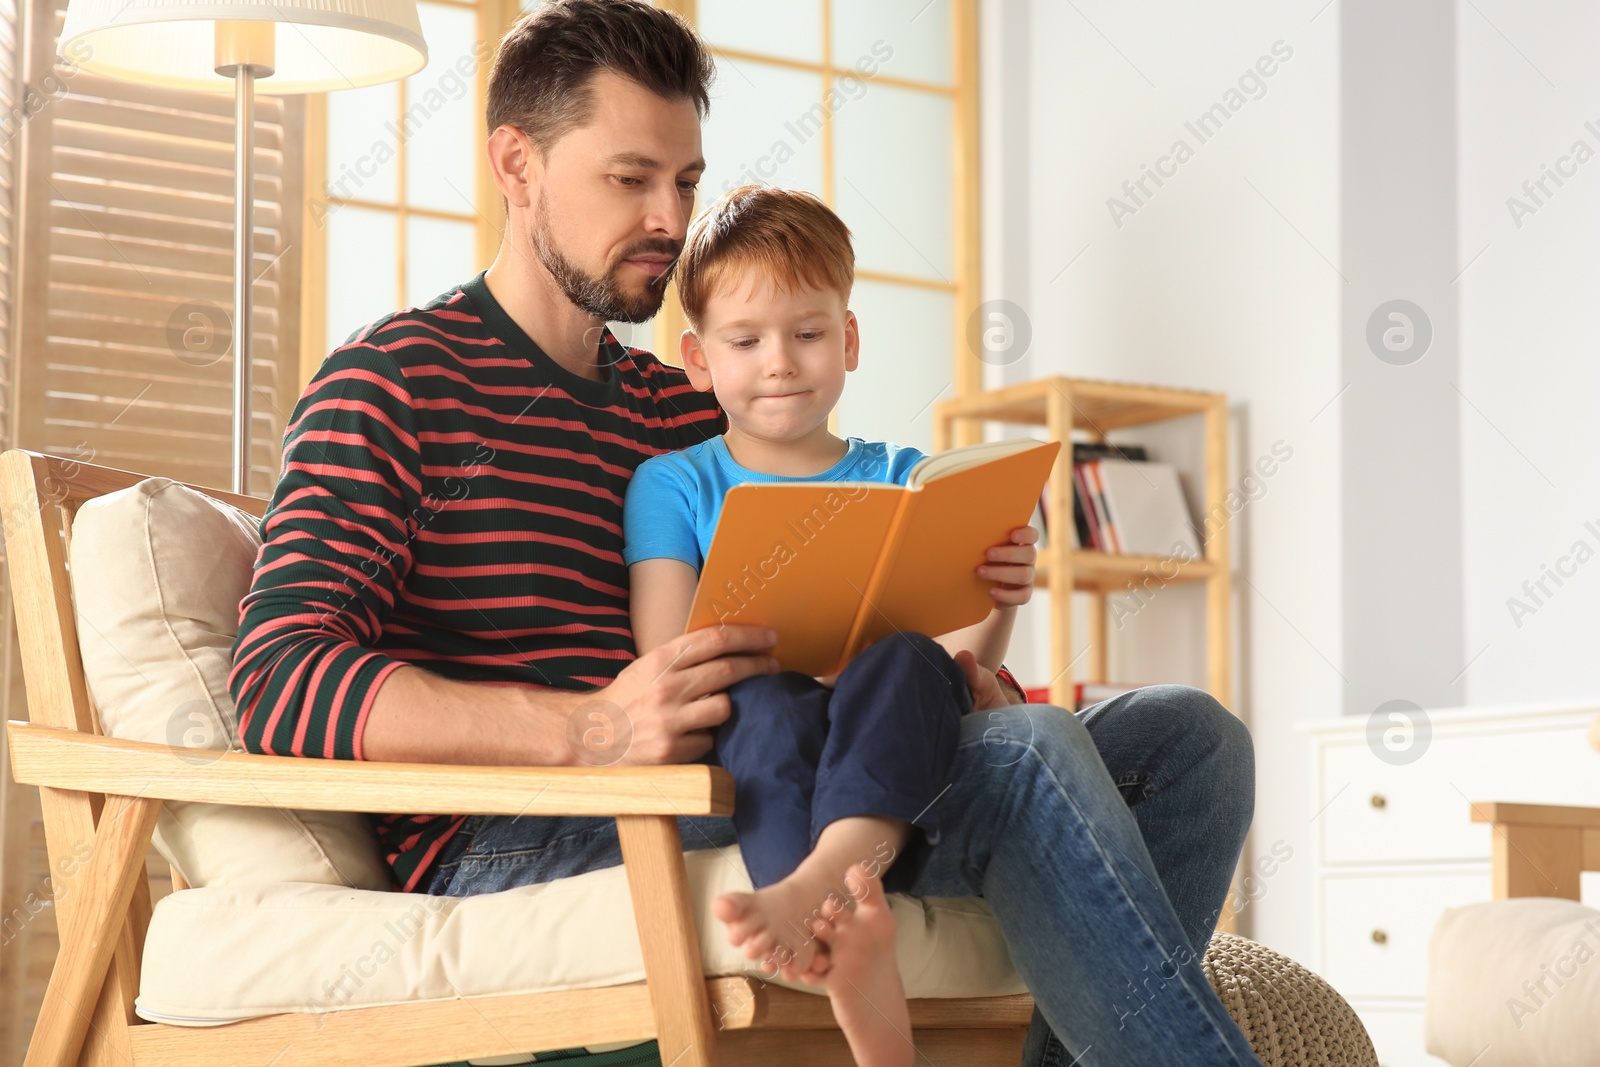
981,682
662,707
1010,567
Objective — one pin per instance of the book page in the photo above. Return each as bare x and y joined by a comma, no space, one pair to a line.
959,459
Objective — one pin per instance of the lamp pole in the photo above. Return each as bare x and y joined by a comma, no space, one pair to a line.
244,52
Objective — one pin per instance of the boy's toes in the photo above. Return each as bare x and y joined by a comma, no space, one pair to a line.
821,961
832,908
759,945
730,907
863,884
738,934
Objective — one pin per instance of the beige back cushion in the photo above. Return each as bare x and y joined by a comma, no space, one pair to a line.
158,571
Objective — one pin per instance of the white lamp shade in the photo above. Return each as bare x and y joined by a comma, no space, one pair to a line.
320,45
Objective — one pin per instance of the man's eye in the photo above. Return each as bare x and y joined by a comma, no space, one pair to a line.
625,180
688,187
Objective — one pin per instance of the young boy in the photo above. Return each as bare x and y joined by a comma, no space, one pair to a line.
830,774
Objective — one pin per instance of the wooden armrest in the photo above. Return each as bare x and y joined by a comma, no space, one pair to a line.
67,759
1503,814
1539,850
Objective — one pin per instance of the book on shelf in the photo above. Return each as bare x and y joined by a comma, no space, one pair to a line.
1145,508
1041,516
833,566
1087,510
1124,503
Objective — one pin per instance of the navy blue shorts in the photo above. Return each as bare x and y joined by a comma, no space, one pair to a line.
880,742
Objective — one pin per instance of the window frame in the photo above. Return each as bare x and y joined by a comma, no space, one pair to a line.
314,272
966,373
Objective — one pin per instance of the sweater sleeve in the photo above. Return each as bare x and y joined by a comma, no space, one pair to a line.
336,547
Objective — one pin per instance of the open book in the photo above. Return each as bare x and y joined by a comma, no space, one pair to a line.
833,566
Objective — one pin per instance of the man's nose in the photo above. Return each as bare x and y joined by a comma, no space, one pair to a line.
667,217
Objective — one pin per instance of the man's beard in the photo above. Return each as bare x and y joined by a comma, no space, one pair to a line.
603,297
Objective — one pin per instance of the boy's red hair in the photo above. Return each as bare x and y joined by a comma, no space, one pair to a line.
785,234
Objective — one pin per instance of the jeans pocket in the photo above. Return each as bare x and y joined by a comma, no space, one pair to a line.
459,845
468,831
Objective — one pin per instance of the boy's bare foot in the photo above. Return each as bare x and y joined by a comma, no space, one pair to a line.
857,965
777,924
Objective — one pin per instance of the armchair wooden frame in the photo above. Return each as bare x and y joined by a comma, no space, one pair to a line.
1539,850
101,797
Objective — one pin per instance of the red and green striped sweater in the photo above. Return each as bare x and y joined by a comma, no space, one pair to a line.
450,497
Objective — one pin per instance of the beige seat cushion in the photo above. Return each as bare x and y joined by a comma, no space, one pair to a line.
224,953
158,571
1515,982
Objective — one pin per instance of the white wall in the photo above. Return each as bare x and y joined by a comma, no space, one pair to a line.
1530,339
1220,279
1252,271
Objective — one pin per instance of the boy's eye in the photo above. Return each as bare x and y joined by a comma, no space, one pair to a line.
744,342
625,180
810,335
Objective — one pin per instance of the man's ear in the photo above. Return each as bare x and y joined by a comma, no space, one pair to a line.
693,358
852,341
514,164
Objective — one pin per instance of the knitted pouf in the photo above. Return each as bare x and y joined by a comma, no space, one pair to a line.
1291,1017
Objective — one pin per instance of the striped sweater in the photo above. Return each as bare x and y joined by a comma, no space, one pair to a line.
450,497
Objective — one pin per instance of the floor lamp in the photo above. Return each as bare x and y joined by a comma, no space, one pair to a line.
303,46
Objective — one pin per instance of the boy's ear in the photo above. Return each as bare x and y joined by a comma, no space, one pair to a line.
693,358
852,341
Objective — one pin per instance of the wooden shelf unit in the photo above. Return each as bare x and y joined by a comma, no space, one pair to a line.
1092,408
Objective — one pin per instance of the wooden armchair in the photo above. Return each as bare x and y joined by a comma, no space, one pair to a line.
1509,979
1539,850
110,792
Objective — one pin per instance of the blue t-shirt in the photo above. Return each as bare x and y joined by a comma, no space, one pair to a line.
674,499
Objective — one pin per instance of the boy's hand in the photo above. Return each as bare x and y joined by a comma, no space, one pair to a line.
981,682
1010,567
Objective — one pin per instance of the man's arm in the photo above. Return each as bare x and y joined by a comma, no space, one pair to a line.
336,545
1009,689
668,697
306,678
988,689
421,717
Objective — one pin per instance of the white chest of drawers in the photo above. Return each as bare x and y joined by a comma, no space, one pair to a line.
1395,846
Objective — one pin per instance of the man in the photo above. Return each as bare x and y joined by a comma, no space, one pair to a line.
442,581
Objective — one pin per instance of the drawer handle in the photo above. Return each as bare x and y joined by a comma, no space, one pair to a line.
1379,801
1379,937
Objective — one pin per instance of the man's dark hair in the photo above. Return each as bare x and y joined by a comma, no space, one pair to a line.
541,78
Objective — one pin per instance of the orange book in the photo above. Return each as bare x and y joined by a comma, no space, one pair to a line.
833,566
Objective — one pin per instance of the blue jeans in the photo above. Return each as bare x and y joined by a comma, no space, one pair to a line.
1103,842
